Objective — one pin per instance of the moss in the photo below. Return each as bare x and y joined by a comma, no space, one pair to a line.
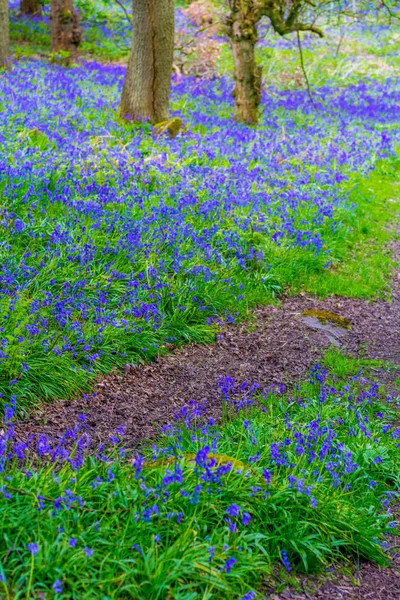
330,317
171,126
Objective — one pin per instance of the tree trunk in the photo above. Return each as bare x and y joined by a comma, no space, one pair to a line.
30,7
4,35
65,33
242,31
145,95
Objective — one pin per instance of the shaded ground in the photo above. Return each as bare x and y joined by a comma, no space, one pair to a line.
278,346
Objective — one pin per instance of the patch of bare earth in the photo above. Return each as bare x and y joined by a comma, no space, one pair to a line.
369,582
278,347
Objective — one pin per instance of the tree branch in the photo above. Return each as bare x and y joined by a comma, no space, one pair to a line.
121,5
304,70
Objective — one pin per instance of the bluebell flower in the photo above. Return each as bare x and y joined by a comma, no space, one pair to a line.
57,586
233,510
285,561
229,564
246,518
33,548
249,596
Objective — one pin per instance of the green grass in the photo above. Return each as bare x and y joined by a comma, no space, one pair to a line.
321,495
361,258
344,366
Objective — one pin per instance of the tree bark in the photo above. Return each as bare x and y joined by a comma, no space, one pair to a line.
242,31
145,95
4,35
30,7
65,33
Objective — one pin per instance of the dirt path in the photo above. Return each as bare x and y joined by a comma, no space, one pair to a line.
277,347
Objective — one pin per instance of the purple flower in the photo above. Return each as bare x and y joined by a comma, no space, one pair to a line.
233,510
246,518
231,525
72,542
211,550
137,548
267,476
57,586
229,564
88,551
33,548
249,596
254,458
285,561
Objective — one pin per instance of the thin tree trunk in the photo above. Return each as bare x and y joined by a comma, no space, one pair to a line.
145,95
30,7
4,35
65,33
242,30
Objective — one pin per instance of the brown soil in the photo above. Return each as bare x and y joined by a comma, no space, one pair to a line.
368,582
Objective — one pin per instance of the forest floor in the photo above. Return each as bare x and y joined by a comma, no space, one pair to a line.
277,346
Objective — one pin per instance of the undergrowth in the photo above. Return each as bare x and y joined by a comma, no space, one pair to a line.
299,478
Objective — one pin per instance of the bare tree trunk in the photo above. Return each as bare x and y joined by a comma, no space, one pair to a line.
4,34
242,31
30,7
65,33
145,95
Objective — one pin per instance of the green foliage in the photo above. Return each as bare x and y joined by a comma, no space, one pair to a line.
166,527
343,365
361,260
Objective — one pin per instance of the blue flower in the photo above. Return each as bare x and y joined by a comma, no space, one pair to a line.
231,525
229,564
285,560
246,518
33,548
249,596
233,510
57,586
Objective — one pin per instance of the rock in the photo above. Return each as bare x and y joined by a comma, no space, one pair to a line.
334,325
